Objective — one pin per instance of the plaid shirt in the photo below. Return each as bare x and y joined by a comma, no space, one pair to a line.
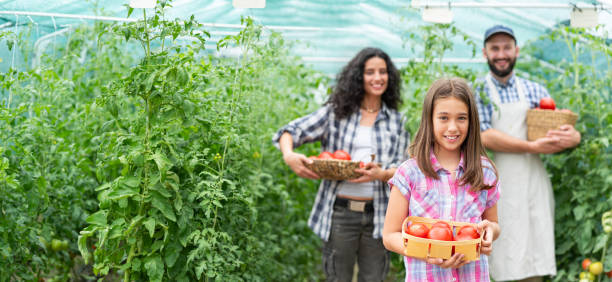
391,141
445,199
508,93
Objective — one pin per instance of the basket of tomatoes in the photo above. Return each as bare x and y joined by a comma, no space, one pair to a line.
435,238
547,117
335,166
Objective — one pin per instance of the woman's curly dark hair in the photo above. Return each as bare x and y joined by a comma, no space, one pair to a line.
348,92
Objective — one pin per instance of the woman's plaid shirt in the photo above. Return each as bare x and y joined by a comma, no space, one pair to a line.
391,142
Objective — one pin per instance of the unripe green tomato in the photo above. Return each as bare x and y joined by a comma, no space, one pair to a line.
607,228
44,242
586,276
59,245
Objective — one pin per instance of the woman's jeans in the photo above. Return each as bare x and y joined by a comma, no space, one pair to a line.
350,240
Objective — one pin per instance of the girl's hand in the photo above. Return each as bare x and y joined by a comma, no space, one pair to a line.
296,162
455,261
488,227
370,172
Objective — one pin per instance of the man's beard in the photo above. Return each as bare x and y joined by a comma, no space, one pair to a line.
502,73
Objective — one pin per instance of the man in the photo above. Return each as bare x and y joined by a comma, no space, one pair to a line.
525,248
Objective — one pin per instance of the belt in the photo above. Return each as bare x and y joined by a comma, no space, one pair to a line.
353,205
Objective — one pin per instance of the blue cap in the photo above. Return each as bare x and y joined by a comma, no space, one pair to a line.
498,29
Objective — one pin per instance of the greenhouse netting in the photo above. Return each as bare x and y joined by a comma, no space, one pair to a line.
139,144
327,33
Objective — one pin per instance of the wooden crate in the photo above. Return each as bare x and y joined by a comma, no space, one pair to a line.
424,248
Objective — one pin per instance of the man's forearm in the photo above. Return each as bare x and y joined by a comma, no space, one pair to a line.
498,141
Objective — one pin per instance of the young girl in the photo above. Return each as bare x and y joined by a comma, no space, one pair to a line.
448,177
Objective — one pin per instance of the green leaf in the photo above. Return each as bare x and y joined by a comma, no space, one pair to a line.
135,223
131,181
163,205
150,225
98,218
163,164
579,212
82,244
172,251
600,242
154,267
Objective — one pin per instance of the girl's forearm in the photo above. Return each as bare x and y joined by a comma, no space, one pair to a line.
394,242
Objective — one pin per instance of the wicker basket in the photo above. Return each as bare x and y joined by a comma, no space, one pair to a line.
424,248
539,122
334,169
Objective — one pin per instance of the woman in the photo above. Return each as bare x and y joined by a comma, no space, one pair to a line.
361,118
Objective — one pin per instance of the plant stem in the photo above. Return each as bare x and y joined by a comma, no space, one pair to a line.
144,12
574,53
147,153
603,256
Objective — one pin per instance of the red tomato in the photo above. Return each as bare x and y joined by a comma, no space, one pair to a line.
469,230
442,224
609,274
464,236
361,165
418,230
440,233
342,155
585,263
326,155
547,103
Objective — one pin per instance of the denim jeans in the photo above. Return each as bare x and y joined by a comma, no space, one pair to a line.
351,239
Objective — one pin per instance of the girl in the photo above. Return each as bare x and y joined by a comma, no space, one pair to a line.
360,117
448,177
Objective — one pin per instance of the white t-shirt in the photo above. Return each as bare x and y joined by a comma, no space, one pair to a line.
362,151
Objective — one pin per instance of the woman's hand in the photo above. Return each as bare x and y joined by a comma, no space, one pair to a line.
455,261
489,228
296,162
370,172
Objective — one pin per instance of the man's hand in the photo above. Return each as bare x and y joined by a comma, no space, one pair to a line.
545,145
296,162
567,135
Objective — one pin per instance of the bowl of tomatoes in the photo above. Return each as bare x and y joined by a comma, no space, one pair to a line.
335,166
547,117
435,238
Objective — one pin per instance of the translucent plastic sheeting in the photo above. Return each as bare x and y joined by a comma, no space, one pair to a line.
329,32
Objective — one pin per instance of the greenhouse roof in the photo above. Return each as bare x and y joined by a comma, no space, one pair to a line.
328,33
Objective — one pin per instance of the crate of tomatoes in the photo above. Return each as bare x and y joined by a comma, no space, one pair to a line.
435,238
547,117
335,166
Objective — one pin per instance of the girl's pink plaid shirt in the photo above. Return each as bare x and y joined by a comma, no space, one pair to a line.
445,199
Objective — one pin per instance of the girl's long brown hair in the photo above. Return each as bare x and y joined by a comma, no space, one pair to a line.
472,147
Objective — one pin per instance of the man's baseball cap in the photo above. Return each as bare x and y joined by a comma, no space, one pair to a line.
498,29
